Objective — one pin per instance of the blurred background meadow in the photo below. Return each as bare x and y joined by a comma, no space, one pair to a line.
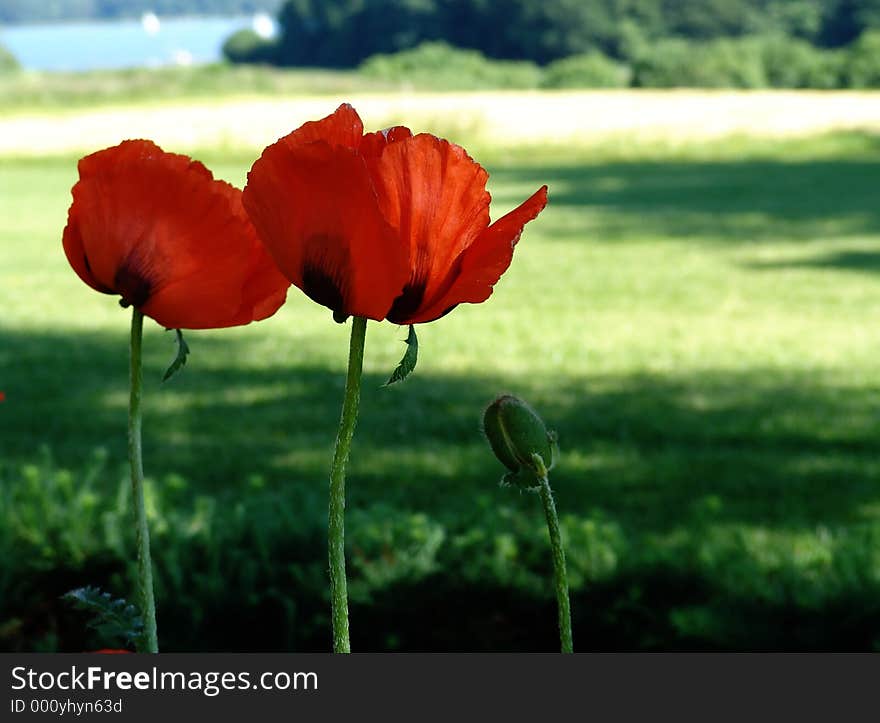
694,314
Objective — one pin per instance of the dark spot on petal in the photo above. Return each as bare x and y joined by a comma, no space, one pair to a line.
132,285
103,289
319,286
407,304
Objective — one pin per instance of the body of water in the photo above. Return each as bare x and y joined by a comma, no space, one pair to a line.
150,41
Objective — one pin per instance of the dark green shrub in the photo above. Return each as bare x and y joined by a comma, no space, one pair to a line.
792,63
8,62
438,65
245,46
775,61
732,64
717,64
863,62
343,33
588,70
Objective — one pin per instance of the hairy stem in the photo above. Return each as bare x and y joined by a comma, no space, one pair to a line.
336,523
135,457
559,572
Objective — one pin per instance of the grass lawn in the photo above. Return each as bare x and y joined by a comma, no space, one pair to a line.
698,324
34,90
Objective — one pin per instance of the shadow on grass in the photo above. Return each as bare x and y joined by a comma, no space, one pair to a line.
732,200
850,260
628,442
654,610
239,456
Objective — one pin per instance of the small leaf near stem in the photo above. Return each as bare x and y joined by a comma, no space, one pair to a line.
408,362
180,358
113,619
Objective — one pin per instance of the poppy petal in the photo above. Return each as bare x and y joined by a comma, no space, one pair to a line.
76,254
315,209
265,290
435,195
108,218
265,287
373,144
233,284
156,228
483,263
343,127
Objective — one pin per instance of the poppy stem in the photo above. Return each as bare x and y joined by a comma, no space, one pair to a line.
336,524
560,576
150,643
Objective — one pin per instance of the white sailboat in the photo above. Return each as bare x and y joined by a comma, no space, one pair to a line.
150,23
264,26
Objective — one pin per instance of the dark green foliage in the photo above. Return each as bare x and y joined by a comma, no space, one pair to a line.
795,18
714,64
793,63
116,621
8,62
439,65
588,70
705,19
180,355
846,20
342,33
408,362
760,61
246,46
776,61
547,31
863,62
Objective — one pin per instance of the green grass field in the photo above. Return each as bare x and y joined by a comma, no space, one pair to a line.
28,91
697,323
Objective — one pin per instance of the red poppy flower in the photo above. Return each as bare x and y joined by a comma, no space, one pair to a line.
383,225
158,230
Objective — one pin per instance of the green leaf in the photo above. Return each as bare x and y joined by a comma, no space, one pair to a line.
113,619
410,357
180,359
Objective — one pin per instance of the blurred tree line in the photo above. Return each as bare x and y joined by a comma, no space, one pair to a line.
28,11
581,43
342,33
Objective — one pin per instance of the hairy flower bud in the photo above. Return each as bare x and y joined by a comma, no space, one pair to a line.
520,441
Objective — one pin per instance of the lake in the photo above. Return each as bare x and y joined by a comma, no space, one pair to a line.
150,41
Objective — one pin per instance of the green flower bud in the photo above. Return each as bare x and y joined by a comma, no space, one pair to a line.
520,441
